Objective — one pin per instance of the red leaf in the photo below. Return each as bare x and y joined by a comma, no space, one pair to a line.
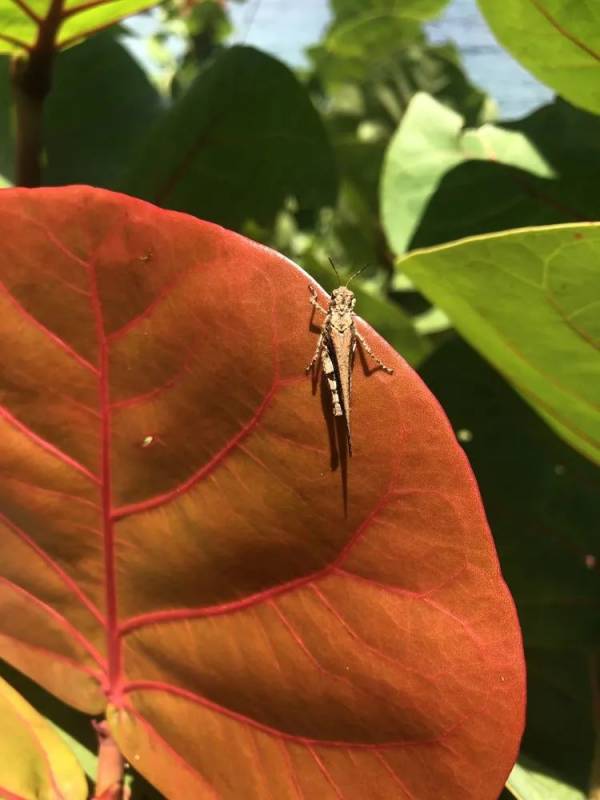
175,539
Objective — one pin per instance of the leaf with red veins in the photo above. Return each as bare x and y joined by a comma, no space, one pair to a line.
49,25
258,623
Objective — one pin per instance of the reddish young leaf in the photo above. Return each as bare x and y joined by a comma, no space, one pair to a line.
176,543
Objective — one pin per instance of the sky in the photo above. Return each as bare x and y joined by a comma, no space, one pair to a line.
285,28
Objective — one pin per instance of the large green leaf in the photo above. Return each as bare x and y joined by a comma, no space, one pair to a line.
240,141
430,141
558,40
87,141
35,762
529,781
24,24
528,300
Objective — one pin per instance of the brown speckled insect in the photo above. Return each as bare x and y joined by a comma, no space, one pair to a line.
336,346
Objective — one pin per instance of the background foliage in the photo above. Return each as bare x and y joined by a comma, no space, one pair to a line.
379,146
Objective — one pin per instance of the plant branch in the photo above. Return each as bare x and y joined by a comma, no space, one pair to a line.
31,77
109,777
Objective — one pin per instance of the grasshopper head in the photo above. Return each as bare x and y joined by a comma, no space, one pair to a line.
342,299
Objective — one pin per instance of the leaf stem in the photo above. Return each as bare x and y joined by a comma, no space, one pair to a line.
31,78
109,777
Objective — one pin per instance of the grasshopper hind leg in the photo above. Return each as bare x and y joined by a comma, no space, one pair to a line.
329,371
336,402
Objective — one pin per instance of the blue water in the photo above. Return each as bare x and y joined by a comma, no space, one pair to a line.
285,28
489,66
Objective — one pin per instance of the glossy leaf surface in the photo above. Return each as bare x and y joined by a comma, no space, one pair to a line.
35,762
177,545
556,40
528,301
63,22
430,141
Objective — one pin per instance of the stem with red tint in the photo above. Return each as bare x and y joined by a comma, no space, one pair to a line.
109,778
31,78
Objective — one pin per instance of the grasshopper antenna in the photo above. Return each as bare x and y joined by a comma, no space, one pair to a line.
334,269
358,271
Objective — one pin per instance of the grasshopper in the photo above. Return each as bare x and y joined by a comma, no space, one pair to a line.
336,346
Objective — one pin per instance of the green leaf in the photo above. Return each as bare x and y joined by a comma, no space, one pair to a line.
557,40
237,144
528,301
83,143
62,22
369,37
73,726
86,758
35,763
486,196
529,781
411,9
430,141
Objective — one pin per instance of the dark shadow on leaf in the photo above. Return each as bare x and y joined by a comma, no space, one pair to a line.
479,197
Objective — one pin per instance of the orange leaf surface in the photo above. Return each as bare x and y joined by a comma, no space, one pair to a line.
178,549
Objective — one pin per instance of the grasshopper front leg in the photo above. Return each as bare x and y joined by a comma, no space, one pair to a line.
317,354
367,348
314,302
